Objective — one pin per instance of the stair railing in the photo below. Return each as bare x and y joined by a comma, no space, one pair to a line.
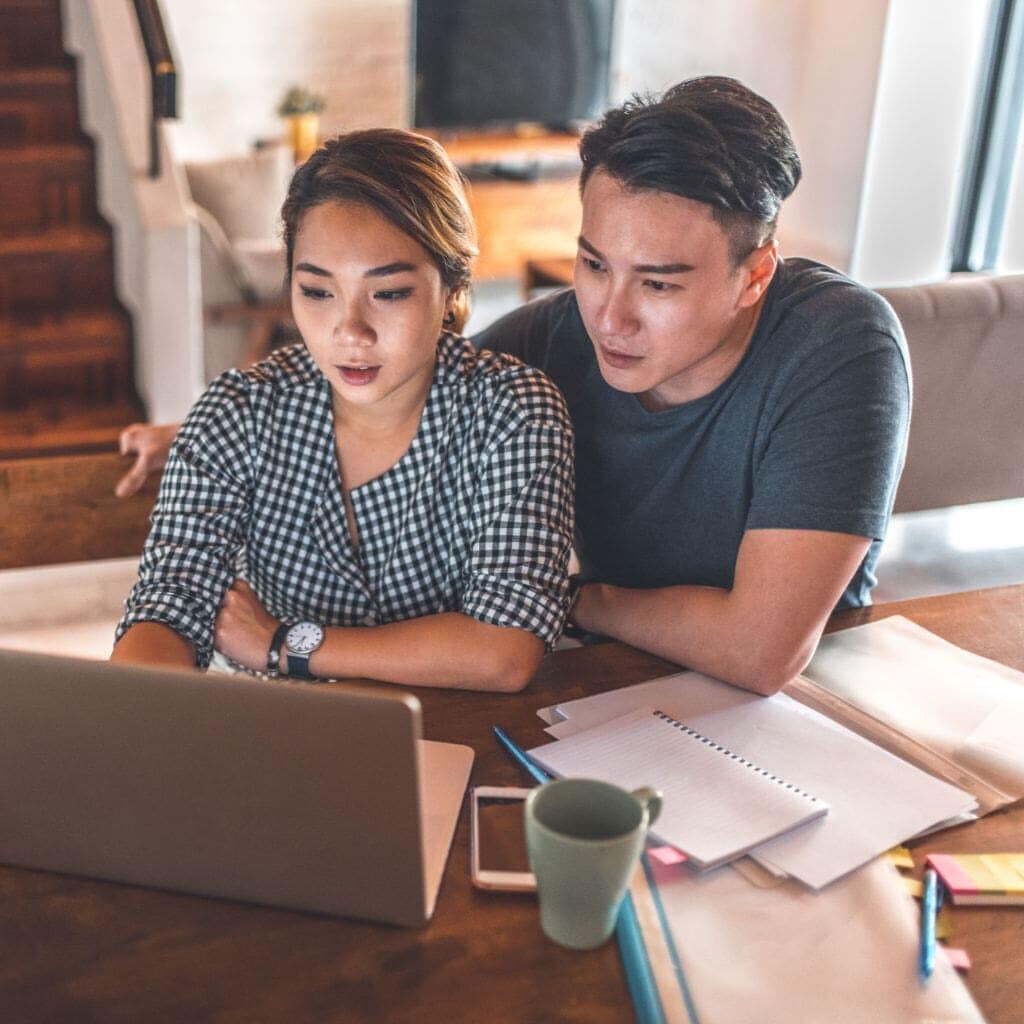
163,74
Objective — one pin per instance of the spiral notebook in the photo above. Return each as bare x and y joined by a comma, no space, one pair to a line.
717,805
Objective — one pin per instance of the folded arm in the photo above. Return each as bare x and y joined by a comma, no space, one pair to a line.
757,635
153,643
448,649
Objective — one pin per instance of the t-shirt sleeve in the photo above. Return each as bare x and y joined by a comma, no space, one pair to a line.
836,446
522,525
200,520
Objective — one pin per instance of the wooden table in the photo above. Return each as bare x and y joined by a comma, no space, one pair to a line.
78,950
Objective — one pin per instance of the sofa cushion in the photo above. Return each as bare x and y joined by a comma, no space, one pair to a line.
966,342
244,193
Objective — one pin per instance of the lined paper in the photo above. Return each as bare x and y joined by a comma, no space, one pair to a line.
716,805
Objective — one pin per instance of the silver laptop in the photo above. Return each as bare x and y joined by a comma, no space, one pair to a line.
315,797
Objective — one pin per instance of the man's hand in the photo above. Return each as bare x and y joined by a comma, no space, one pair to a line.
151,444
244,628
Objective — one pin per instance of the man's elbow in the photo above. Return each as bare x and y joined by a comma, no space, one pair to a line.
770,667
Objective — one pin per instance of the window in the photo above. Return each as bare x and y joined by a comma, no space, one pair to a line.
988,183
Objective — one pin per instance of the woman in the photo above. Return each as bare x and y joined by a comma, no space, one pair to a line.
380,474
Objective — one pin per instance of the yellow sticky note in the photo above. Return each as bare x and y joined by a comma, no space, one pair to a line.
913,886
900,856
943,927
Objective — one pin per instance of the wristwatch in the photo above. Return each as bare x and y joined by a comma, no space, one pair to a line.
301,640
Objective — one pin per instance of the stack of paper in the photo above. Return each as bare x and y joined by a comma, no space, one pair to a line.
779,954
876,800
716,804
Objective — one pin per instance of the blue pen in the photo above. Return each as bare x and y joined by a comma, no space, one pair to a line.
929,910
520,756
639,976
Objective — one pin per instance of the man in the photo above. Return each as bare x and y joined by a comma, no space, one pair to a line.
740,420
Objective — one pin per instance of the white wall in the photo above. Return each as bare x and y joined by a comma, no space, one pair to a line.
238,57
897,76
838,56
816,60
1011,253
155,243
926,101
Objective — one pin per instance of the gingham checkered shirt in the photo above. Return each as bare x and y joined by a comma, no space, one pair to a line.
476,517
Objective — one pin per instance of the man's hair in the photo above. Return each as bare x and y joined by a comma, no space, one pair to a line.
709,139
409,180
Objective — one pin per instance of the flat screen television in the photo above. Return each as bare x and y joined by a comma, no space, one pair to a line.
495,63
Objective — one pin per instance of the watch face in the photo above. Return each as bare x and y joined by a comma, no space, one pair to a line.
304,637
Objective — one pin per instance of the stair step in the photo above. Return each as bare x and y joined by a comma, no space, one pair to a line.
63,427
30,33
79,240
38,105
65,343
54,185
84,356
55,270
47,331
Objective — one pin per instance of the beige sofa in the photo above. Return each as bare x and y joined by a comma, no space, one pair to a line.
966,341
959,522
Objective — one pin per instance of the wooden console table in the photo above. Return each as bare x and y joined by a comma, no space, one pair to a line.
519,220
547,273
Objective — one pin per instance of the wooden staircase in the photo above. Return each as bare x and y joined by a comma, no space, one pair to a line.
65,341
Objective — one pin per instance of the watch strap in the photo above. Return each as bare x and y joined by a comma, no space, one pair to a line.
571,628
298,666
274,652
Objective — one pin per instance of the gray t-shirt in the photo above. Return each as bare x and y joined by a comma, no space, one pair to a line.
808,433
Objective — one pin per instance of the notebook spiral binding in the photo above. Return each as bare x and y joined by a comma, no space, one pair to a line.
736,757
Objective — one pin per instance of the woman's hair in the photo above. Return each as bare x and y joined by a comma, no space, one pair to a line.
406,178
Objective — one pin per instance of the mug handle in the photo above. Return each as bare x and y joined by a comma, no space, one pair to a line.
651,800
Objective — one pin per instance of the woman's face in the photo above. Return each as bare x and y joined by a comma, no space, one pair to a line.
369,302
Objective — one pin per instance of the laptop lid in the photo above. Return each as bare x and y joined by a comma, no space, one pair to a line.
315,797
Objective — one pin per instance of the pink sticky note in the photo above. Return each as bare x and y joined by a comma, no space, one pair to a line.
958,958
667,855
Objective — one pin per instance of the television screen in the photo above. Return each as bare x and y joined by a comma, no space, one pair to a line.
482,63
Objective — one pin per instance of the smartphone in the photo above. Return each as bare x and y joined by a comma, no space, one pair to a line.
498,858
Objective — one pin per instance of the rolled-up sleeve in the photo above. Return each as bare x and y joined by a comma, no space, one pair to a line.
523,520
200,520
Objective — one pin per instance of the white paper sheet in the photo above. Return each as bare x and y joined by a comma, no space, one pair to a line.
783,955
876,800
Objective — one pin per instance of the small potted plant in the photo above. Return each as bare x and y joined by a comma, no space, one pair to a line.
301,108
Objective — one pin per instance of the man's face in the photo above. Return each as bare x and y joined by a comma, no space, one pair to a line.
668,312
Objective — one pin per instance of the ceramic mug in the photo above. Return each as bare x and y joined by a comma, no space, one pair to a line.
584,838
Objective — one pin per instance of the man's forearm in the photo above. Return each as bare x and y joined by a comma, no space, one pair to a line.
760,633
698,627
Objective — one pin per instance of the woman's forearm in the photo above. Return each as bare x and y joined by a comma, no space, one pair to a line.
447,649
151,643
